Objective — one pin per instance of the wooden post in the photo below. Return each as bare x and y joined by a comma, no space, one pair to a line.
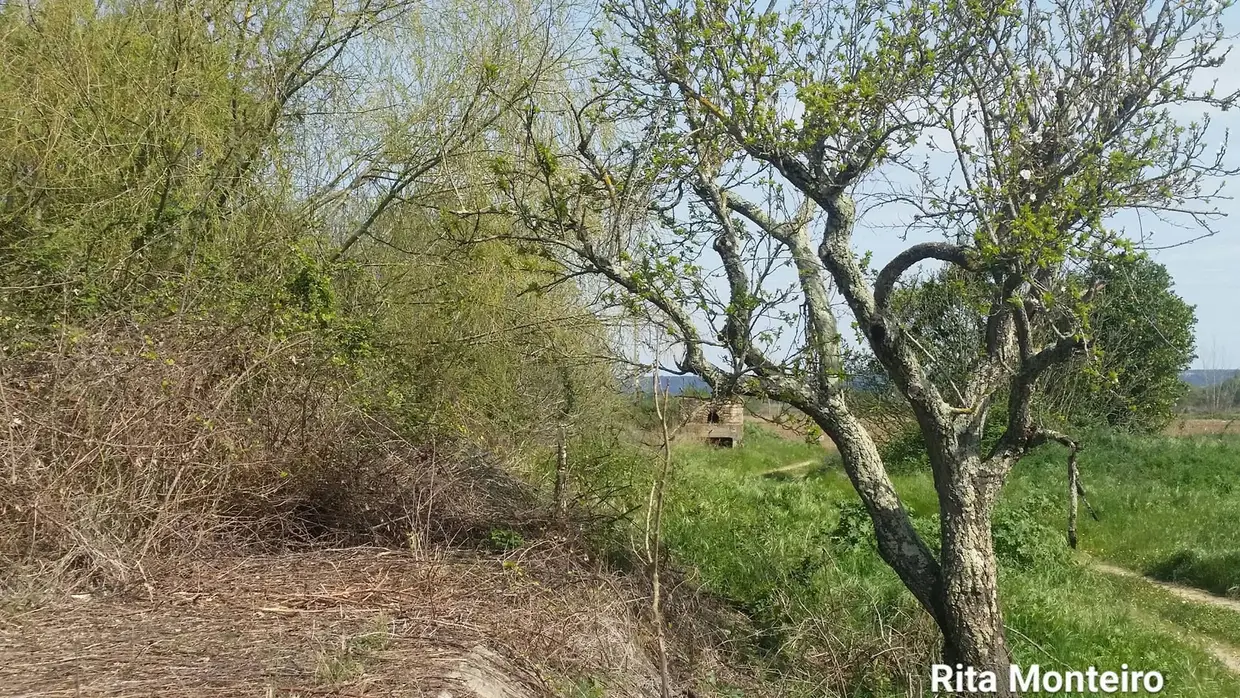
1073,489
561,476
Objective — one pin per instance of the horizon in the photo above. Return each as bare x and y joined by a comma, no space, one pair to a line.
676,383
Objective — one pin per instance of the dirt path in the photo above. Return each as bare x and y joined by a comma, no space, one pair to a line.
341,623
1228,655
800,465
1191,427
1184,592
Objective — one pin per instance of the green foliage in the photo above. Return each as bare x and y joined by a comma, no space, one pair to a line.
945,313
782,551
905,451
585,687
504,539
152,169
1161,501
1022,537
115,184
813,434
1143,340
242,217
1141,333
854,530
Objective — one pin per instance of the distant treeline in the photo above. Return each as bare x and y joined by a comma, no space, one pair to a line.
1197,377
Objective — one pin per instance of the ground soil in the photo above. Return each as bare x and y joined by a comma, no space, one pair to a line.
1228,655
358,622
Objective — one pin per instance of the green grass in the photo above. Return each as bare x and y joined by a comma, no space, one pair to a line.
760,451
796,555
1074,617
346,661
1216,572
1170,507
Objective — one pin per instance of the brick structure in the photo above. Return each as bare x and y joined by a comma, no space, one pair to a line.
715,422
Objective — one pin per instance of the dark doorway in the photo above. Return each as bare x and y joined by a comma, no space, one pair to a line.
720,441
713,417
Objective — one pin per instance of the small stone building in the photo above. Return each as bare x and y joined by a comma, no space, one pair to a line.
712,421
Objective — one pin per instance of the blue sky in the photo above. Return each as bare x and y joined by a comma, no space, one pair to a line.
1207,275
1206,272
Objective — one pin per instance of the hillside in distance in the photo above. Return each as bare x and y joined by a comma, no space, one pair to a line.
1203,377
1197,377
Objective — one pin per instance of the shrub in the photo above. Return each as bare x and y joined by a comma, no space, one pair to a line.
854,530
132,443
1022,540
905,451
505,539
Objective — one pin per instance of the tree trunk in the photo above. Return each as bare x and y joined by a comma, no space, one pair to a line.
960,590
971,620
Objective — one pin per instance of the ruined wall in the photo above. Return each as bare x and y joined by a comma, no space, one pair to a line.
721,423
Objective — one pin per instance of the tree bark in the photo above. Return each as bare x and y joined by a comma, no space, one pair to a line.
899,544
972,622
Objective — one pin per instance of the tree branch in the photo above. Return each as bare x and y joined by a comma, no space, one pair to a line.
890,274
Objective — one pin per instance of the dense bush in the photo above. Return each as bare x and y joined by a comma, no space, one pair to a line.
904,450
1143,340
228,305
1022,537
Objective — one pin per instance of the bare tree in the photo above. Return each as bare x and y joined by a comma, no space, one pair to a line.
718,200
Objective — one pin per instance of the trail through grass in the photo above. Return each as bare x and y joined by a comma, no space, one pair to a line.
1227,654
797,555
1184,592
798,468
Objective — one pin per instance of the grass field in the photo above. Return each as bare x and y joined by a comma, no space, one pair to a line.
1170,507
795,552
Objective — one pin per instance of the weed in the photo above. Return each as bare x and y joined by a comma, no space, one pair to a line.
854,530
347,661
333,670
504,539
1023,539
584,687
